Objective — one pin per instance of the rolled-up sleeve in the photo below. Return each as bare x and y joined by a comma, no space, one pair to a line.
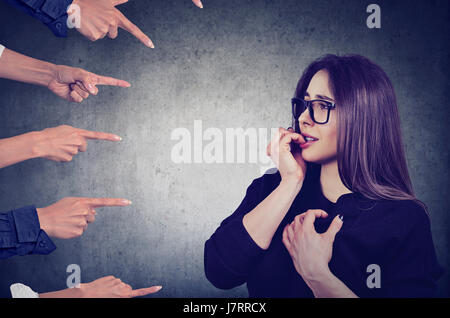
231,253
20,234
53,13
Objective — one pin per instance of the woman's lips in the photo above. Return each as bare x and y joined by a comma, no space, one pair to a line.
307,144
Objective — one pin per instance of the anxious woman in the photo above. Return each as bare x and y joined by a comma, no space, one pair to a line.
339,217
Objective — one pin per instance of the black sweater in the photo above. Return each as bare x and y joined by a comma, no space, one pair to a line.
393,234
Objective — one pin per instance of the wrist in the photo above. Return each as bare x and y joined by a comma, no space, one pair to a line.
79,291
42,73
35,139
319,278
43,221
293,183
51,73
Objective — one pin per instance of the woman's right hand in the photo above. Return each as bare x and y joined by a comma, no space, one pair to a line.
290,164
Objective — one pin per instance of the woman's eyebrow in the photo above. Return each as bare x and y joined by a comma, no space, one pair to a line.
321,97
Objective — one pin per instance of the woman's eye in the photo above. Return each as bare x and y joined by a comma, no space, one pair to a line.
323,105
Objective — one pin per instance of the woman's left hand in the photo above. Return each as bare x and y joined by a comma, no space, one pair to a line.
310,251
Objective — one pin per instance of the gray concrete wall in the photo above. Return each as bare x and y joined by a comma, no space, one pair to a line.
233,64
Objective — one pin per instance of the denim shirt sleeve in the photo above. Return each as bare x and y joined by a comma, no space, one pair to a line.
50,12
21,234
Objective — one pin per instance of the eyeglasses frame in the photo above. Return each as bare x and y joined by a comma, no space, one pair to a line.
295,123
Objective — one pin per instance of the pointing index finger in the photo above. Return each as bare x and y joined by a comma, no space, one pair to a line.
106,80
126,24
99,135
145,291
102,202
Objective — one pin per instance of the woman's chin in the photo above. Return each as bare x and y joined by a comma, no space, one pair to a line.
310,155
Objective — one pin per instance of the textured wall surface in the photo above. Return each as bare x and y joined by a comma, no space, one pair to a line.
233,64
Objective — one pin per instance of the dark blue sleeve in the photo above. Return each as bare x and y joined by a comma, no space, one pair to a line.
231,253
413,269
21,234
53,13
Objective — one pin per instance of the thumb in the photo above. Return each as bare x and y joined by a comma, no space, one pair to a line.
87,80
335,226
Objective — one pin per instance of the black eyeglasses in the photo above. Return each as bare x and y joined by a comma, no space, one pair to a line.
319,110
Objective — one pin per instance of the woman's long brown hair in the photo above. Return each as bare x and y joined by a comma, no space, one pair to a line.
370,153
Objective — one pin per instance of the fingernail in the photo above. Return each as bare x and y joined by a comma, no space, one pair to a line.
158,287
117,137
127,202
341,217
150,44
90,88
201,4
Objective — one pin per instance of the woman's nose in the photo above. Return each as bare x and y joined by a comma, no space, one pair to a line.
305,118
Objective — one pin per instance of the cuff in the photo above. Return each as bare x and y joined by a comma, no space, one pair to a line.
34,4
59,26
247,245
27,224
44,244
239,250
57,10
28,230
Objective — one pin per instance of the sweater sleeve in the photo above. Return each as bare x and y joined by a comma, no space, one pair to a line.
231,253
413,269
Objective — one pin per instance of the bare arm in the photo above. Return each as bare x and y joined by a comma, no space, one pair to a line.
262,222
65,293
17,149
18,67
329,286
105,287
58,144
